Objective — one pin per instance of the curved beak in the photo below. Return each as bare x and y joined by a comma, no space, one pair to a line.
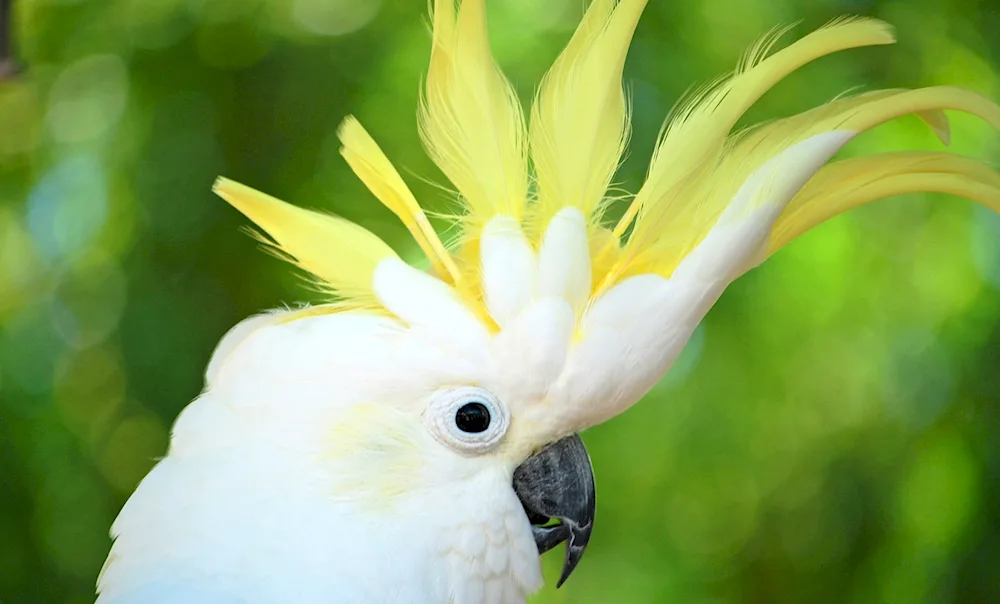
558,483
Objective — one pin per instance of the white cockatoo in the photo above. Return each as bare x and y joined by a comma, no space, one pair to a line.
414,439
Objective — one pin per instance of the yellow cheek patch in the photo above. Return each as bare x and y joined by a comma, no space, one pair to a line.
376,454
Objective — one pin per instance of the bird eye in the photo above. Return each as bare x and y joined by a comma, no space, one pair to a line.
472,418
467,419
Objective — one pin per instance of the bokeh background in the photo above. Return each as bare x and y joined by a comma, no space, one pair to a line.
829,435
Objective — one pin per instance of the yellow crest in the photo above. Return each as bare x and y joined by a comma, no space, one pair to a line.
472,126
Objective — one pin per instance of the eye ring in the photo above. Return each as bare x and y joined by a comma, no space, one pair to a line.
467,419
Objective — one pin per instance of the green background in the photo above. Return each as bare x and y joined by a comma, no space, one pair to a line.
830,434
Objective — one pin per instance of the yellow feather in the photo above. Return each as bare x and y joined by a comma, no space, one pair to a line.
923,100
697,130
604,253
705,198
472,125
856,114
376,171
580,118
851,183
340,253
694,141
470,118
749,150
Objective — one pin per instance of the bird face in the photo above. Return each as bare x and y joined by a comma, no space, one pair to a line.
457,437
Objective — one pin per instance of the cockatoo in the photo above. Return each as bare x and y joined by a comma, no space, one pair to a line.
414,439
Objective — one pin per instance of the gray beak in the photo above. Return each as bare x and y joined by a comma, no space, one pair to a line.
558,483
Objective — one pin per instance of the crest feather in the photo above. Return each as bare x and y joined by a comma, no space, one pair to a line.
720,198
580,117
700,124
746,152
340,253
374,169
693,141
851,183
470,118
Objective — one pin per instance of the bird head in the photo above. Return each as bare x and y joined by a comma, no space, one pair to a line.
467,381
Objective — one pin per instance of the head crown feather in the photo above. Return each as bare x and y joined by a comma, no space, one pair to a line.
715,202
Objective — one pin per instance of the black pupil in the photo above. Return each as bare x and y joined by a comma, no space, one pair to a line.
472,417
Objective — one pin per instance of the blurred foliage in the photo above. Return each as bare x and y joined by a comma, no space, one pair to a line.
829,435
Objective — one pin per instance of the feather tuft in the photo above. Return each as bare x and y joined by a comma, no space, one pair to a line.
673,211
470,118
716,200
851,183
580,117
695,137
374,169
340,253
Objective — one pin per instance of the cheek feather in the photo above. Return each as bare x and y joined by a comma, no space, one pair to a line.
374,453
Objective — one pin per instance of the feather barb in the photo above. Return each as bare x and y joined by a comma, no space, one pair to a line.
371,165
340,253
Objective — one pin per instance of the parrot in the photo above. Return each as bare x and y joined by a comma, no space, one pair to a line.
415,435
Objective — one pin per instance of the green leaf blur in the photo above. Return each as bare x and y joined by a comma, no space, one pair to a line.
829,434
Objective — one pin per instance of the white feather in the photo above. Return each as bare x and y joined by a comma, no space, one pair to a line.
429,304
530,353
509,268
780,178
276,489
635,331
564,260
233,338
739,235
631,335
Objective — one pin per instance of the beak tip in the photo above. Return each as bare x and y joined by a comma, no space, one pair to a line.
568,567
